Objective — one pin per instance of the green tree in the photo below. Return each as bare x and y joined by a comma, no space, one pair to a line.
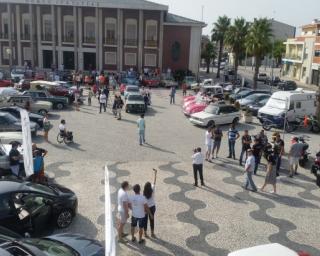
279,49
236,39
208,54
218,35
258,43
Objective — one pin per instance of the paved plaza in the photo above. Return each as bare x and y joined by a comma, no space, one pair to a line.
211,220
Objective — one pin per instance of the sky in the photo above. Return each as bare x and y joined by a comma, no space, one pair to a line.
292,12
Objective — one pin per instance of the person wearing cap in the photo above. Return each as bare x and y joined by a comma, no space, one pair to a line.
14,159
249,169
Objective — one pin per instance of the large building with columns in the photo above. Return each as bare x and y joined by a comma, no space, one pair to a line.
112,35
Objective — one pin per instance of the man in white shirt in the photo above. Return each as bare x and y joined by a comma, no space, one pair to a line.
249,168
197,163
123,209
62,127
103,101
208,142
138,205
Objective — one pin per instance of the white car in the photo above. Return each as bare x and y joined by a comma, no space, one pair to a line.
265,250
17,74
216,114
205,82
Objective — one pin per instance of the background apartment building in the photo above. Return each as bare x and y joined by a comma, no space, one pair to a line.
112,35
302,58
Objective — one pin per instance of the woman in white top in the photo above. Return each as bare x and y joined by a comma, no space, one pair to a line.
148,192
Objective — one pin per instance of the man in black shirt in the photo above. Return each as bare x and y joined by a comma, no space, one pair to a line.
246,141
256,151
14,159
278,149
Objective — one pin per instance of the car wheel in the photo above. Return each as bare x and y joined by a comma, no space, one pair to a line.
42,112
64,218
59,106
236,120
210,124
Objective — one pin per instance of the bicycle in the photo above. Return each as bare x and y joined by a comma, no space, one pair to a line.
66,138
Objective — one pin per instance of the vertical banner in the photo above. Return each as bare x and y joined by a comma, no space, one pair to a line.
110,245
26,142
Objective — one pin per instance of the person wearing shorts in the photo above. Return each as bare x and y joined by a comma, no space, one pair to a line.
123,209
217,136
139,207
209,143
294,156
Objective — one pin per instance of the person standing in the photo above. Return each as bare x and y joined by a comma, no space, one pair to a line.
106,92
118,106
197,163
249,169
184,89
208,143
14,159
294,156
217,136
139,206
102,101
141,129
148,192
246,141
278,149
90,95
123,209
256,151
233,135
271,176
46,127
172,94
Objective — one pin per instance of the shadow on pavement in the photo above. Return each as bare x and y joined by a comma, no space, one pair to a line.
159,149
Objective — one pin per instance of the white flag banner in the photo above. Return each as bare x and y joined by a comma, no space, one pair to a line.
110,245
26,142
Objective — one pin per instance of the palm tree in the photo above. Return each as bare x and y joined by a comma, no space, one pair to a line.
208,54
258,43
218,35
236,38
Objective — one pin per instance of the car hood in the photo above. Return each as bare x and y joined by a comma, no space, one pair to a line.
244,101
43,103
83,245
134,102
202,115
202,104
271,111
63,191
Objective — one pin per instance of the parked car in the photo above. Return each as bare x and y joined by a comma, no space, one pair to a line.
5,83
8,91
128,80
189,80
58,102
267,250
41,107
135,103
195,107
275,82
262,77
39,75
216,114
168,82
13,244
130,89
152,81
227,87
215,91
205,82
23,84
17,75
15,111
255,106
287,86
8,137
245,93
31,207
8,123
253,98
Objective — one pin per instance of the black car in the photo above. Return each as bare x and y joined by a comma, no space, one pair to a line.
15,111
12,244
31,207
275,82
254,107
287,86
245,93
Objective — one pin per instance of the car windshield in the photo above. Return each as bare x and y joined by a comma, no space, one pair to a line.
276,103
42,188
18,71
50,247
252,97
132,89
243,93
11,119
264,101
135,98
212,110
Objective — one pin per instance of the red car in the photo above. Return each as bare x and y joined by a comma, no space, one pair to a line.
5,83
192,97
195,107
151,81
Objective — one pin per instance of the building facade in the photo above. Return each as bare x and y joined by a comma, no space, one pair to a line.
112,35
302,59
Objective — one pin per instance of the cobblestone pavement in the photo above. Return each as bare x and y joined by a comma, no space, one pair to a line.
211,220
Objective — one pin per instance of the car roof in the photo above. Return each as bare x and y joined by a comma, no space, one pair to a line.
11,107
9,186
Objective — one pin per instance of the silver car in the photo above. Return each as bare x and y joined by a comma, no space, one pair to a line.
8,123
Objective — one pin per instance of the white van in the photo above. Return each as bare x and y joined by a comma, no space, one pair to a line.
296,103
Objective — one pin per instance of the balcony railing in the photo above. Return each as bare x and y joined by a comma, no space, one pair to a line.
110,41
293,57
151,43
46,37
68,39
25,36
89,40
4,35
130,42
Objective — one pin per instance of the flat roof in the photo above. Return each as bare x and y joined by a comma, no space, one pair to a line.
121,4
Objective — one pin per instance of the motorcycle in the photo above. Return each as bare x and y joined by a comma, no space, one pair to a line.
315,168
309,122
277,123
304,158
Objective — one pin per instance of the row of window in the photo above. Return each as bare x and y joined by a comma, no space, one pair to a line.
130,59
317,53
110,33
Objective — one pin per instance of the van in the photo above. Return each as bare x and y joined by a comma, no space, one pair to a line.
213,91
294,104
